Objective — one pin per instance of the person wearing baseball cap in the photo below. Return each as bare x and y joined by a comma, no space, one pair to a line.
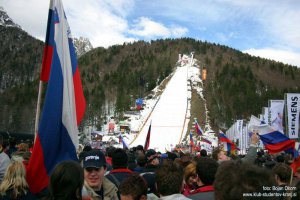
96,185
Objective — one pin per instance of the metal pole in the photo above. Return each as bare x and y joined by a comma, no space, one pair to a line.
38,108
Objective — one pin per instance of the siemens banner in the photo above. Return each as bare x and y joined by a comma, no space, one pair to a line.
293,108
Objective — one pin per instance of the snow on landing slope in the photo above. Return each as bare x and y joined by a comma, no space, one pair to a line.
168,116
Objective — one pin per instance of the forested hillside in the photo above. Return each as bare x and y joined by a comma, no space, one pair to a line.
237,84
20,62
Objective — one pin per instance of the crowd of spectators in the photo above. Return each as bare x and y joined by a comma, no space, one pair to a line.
136,174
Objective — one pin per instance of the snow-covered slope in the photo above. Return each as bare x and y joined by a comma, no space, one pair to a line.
168,116
170,111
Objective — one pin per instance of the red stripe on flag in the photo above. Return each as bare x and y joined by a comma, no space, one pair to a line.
36,168
278,147
232,147
79,96
222,139
46,64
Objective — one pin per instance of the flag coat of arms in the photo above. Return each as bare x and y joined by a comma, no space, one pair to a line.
64,105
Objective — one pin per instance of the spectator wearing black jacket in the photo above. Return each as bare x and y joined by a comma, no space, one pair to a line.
149,173
120,169
12,147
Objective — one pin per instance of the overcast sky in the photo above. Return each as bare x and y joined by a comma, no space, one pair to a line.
265,28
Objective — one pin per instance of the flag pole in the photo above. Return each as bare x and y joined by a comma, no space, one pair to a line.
38,108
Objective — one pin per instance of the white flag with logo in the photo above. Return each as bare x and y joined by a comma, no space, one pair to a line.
276,112
266,115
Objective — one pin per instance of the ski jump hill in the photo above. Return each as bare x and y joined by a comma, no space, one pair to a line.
168,118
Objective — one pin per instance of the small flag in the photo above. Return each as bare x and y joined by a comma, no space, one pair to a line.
228,144
123,142
147,142
198,129
206,141
191,140
192,144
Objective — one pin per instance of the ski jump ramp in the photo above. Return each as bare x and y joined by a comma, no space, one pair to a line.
168,117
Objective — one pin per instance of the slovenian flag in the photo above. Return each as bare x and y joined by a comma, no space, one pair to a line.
206,141
192,144
273,140
64,105
123,142
198,129
228,144
191,140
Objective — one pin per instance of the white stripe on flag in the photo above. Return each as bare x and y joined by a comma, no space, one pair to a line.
61,39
